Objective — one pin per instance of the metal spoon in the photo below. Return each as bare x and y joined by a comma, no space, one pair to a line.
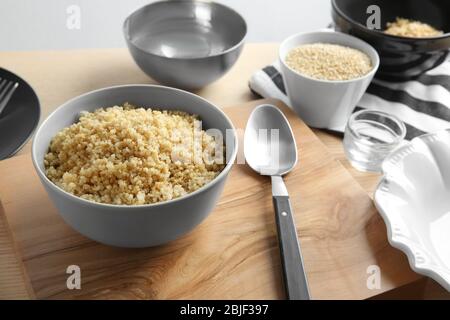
270,150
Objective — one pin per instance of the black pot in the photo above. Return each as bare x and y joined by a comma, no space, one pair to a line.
401,58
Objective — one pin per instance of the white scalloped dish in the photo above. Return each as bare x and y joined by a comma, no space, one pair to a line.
414,200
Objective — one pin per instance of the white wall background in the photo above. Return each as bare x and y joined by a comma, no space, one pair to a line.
41,24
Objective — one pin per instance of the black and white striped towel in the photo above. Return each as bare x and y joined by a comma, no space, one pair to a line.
423,104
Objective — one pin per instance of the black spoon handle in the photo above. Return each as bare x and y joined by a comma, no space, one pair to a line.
295,282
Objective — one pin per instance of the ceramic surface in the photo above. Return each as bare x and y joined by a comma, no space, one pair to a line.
140,225
322,103
414,199
401,58
184,43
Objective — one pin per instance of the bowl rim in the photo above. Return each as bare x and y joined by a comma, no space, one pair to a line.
220,176
381,34
398,139
370,74
207,2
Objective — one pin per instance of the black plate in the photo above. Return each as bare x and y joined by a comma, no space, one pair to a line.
20,117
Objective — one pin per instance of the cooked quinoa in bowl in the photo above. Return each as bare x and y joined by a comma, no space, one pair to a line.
129,155
412,29
111,155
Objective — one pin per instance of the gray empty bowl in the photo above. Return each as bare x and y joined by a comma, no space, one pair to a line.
139,225
184,43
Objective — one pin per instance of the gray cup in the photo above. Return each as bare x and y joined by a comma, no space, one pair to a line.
140,225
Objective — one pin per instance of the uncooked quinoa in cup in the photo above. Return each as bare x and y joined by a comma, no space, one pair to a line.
131,156
325,61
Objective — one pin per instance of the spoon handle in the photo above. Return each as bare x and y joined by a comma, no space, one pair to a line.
295,282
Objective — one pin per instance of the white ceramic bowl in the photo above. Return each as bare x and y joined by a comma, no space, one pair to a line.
322,103
139,225
414,199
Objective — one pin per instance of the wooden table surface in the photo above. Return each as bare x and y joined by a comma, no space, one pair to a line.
14,282
233,253
60,75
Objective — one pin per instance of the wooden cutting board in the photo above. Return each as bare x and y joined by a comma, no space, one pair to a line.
14,283
233,254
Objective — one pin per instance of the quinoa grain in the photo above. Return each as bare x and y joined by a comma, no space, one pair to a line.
332,62
124,155
411,29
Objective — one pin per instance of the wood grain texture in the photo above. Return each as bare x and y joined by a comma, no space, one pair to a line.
333,141
423,289
58,76
14,283
233,254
